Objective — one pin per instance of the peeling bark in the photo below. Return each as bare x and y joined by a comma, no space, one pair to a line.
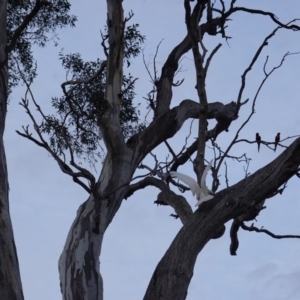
79,262
10,280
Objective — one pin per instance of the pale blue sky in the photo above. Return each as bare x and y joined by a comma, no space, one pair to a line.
43,201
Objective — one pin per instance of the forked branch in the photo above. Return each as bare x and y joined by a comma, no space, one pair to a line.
65,168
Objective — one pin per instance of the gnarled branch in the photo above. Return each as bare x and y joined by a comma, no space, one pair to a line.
180,205
227,204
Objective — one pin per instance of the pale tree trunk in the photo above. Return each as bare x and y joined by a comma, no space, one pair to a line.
79,263
10,280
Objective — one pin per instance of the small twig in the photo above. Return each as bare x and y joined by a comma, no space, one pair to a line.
154,61
171,150
147,68
279,191
210,58
130,15
247,167
226,177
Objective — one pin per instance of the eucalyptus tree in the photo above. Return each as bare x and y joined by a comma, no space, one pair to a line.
97,109
22,24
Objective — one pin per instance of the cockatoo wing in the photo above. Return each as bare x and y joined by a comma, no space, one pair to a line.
204,188
204,199
192,184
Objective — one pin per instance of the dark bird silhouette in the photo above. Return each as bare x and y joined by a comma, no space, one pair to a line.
258,140
277,140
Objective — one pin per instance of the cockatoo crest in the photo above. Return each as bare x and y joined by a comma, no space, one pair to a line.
202,192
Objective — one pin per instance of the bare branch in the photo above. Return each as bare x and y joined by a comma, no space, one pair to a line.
82,81
180,205
130,16
147,68
63,166
267,75
266,143
210,58
154,62
226,176
147,181
224,114
185,156
275,236
164,86
266,13
42,143
171,150
254,59
29,136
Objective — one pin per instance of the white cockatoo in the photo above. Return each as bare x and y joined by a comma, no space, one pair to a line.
202,192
